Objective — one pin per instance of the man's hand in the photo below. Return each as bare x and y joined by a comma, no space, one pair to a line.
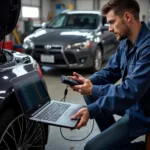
85,88
83,114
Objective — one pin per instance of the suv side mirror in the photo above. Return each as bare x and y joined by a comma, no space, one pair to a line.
105,27
44,24
104,20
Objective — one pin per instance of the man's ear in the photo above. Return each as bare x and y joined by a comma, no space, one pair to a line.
127,17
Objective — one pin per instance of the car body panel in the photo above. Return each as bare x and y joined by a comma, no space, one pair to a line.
17,64
12,64
20,64
57,42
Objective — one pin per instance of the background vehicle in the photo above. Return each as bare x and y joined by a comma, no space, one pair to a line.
16,131
73,39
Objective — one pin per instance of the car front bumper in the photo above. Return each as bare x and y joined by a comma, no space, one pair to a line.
73,58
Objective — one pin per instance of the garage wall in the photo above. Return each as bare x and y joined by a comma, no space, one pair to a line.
103,2
91,4
35,3
80,4
84,4
50,6
30,2
64,2
46,9
143,6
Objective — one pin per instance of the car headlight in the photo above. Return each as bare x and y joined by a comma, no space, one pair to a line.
81,45
28,44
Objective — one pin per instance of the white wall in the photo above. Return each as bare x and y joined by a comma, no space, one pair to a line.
35,3
144,8
46,8
30,2
84,4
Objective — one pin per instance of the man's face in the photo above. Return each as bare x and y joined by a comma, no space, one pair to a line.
117,25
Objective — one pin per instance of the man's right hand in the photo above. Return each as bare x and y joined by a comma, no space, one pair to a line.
85,88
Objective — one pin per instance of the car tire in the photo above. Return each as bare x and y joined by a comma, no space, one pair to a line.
97,60
18,132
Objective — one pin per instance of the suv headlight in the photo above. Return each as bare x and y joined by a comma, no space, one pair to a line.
81,45
28,44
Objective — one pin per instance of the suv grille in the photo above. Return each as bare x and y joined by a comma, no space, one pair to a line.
52,47
70,57
56,51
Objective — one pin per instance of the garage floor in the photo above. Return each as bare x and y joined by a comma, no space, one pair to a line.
56,90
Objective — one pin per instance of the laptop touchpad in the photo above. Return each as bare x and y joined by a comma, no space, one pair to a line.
71,112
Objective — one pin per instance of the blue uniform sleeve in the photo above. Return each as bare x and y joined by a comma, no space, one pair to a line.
110,74
118,98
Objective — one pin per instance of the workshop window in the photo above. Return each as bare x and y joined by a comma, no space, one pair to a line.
30,12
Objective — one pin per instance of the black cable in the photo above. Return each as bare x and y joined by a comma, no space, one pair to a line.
77,139
3,42
63,100
65,94
2,55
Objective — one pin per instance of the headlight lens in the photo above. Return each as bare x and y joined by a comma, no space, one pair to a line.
28,44
82,45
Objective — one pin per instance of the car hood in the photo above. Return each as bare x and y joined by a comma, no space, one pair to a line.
60,37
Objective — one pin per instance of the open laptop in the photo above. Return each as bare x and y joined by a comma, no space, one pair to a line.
36,104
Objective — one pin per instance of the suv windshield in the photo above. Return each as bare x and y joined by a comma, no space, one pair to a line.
75,21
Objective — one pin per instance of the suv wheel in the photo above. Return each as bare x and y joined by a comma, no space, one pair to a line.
19,133
98,60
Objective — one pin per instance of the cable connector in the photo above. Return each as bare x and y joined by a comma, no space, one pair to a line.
66,91
65,94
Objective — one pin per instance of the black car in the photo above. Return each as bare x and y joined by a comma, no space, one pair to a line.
16,131
72,39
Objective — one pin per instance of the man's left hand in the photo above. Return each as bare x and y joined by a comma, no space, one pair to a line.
83,114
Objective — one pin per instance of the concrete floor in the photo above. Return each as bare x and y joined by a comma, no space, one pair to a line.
56,90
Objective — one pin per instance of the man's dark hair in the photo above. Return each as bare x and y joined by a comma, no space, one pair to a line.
121,6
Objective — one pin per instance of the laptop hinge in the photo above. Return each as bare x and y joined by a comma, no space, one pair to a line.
40,109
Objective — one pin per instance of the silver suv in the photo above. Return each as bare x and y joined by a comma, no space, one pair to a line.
72,39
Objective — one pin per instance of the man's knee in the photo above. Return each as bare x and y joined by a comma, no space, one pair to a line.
93,146
88,146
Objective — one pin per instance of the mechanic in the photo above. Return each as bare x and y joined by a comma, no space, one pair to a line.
130,98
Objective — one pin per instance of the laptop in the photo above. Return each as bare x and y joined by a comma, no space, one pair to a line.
37,105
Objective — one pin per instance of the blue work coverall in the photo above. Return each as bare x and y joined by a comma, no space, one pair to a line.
132,95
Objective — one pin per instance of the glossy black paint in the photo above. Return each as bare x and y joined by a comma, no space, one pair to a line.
17,65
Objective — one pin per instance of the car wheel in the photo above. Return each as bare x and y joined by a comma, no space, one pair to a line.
98,60
19,133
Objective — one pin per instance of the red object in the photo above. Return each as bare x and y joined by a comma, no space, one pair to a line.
39,71
10,46
18,48
7,45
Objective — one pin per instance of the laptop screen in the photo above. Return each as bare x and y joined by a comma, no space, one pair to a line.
31,92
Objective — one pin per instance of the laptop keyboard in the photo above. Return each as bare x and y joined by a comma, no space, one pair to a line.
53,112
